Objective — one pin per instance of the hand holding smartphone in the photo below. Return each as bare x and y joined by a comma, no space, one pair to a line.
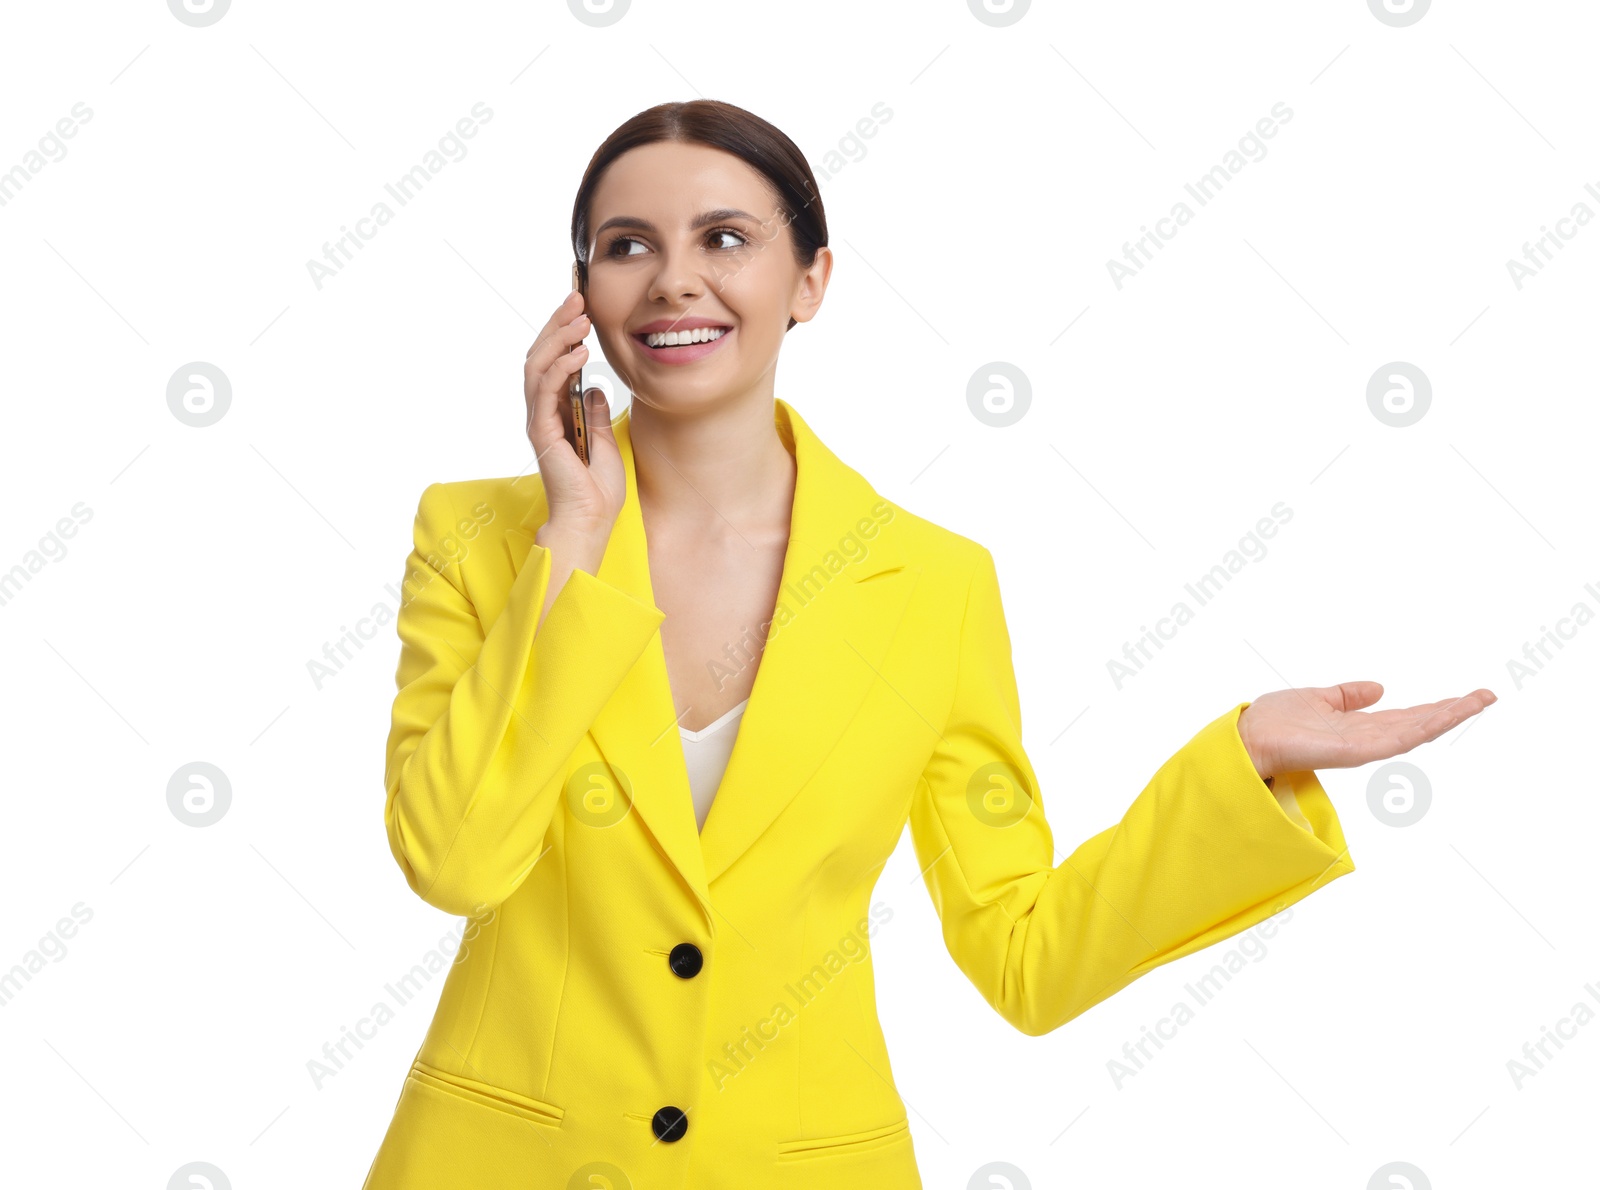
584,492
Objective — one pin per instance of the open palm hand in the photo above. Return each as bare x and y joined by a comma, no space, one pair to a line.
1324,726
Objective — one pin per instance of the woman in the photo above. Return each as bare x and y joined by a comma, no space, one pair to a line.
666,980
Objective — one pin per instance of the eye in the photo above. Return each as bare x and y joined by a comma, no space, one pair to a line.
612,248
618,246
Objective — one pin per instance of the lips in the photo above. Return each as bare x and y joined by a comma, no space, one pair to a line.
686,323
681,353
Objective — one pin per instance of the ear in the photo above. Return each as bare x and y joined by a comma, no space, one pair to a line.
813,285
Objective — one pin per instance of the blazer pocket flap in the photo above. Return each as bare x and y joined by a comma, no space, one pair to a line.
828,1146
486,1095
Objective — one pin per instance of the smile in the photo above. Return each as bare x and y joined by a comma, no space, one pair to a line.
682,347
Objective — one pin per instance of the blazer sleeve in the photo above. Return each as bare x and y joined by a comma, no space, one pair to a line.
484,722
1204,851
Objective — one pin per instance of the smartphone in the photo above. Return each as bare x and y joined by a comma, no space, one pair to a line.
572,419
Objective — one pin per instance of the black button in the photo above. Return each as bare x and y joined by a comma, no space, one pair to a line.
686,960
669,1124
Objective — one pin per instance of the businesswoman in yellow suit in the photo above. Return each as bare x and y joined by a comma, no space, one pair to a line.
666,979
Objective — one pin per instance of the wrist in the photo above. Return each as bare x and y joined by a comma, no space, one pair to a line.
1244,727
589,534
582,548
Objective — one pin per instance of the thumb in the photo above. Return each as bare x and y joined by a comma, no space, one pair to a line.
598,412
1352,696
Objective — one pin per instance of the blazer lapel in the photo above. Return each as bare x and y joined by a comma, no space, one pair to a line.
832,626
830,631
637,730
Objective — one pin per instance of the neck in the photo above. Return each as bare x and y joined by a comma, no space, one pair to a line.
723,469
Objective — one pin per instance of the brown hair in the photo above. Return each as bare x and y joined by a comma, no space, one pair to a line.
721,126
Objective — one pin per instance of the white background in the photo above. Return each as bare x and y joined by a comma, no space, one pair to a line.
975,226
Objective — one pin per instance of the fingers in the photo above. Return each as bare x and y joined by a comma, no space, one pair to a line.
546,397
570,307
550,362
557,341
1405,716
567,326
1429,721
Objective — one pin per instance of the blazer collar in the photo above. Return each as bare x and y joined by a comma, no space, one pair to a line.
840,600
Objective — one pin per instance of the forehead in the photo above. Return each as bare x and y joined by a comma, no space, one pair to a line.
669,183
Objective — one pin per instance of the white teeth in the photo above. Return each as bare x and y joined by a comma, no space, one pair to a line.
704,334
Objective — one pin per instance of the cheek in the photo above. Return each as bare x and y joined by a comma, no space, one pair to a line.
606,328
760,302
607,301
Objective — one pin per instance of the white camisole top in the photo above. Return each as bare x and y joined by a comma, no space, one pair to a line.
705,754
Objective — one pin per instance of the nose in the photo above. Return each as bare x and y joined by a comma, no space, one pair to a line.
678,278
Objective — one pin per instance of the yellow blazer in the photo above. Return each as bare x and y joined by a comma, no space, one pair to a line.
639,1004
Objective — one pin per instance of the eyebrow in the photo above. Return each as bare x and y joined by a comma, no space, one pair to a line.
702,220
